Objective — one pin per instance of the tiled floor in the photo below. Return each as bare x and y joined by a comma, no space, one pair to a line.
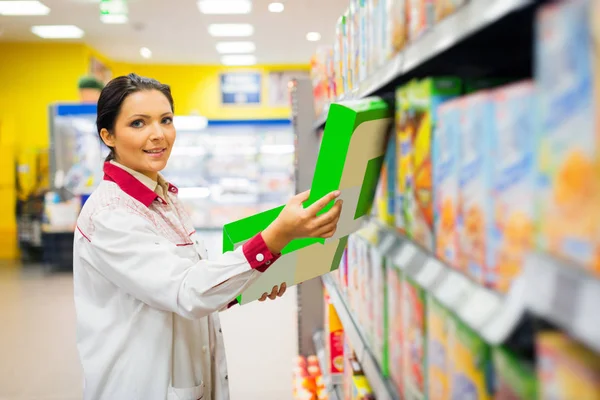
38,357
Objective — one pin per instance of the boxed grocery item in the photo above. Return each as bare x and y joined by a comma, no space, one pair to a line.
355,42
395,325
361,389
352,273
446,161
373,14
385,192
424,98
352,368
338,56
437,351
349,48
403,145
470,363
515,377
444,8
380,312
421,17
475,185
514,180
334,339
566,369
398,25
415,346
363,33
568,193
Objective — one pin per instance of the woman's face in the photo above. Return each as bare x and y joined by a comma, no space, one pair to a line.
144,134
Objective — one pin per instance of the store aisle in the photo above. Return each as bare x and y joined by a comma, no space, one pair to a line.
38,357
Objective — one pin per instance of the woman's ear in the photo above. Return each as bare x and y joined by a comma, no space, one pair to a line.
107,137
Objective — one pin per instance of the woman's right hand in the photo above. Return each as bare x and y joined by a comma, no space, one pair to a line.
295,221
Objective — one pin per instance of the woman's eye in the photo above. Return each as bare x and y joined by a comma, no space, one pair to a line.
137,123
167,120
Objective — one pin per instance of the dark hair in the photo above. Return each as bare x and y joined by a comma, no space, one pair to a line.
114,94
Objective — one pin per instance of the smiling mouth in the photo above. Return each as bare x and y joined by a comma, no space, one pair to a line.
156,151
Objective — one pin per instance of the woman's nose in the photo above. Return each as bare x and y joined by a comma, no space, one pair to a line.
156,132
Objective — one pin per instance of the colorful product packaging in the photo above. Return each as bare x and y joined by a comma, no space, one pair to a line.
361,389
475,185
398,25
403,145
446,161
514,180
415,346
374,42
355,41
566,369
444,8
334,338
569,164
363,32
470,363
352,368
385,31
395,325
352,273
385,193
515,378
380,311
348,49
424,98
437,351
338,55
421,17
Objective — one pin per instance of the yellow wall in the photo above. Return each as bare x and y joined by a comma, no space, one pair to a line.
196,89
33,75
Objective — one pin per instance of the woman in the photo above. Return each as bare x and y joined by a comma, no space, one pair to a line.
147,300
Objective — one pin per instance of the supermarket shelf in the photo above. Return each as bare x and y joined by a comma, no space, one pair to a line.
382,387
565,296
333,387
456,28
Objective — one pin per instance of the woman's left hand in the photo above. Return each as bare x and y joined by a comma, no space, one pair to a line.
276,292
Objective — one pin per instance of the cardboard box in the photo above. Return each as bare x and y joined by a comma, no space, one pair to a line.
438,372
424,98
569,193
444,8
475,185
515,377
403,160
395,325
514,171
334,339
415,345
446,161
398,29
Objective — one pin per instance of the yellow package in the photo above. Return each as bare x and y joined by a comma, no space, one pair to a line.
566,370
437,351
361,389
334,339
470,363
398,24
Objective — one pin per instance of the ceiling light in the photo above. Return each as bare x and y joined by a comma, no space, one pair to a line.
23,8
235,47
145,52
276,7
225,6
230,30
238,60
57,31
114,19
313,36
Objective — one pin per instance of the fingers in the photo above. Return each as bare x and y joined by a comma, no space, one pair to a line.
263,297
273,294
327,231
282,289
301,197
331,215
322,202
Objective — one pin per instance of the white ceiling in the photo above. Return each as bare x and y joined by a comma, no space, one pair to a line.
176,31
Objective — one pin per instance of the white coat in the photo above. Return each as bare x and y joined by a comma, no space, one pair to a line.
146,297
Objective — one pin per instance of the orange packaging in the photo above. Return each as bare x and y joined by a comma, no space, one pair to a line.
569,164
421,16
334,336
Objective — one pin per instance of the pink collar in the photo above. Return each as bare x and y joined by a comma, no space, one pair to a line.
132,186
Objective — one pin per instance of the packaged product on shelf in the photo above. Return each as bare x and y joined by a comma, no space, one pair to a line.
387,49
354,33
338,55
361,389
330,75
352,273
334,339
372,29
515,377
446,160
568,194
349,49
437,351
363,48
424,98
514,180
470,363
421,17
380,311
415,346
566,369
319,79
403,164
395,325
385,193
398,25
366,316
444,8
475,185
